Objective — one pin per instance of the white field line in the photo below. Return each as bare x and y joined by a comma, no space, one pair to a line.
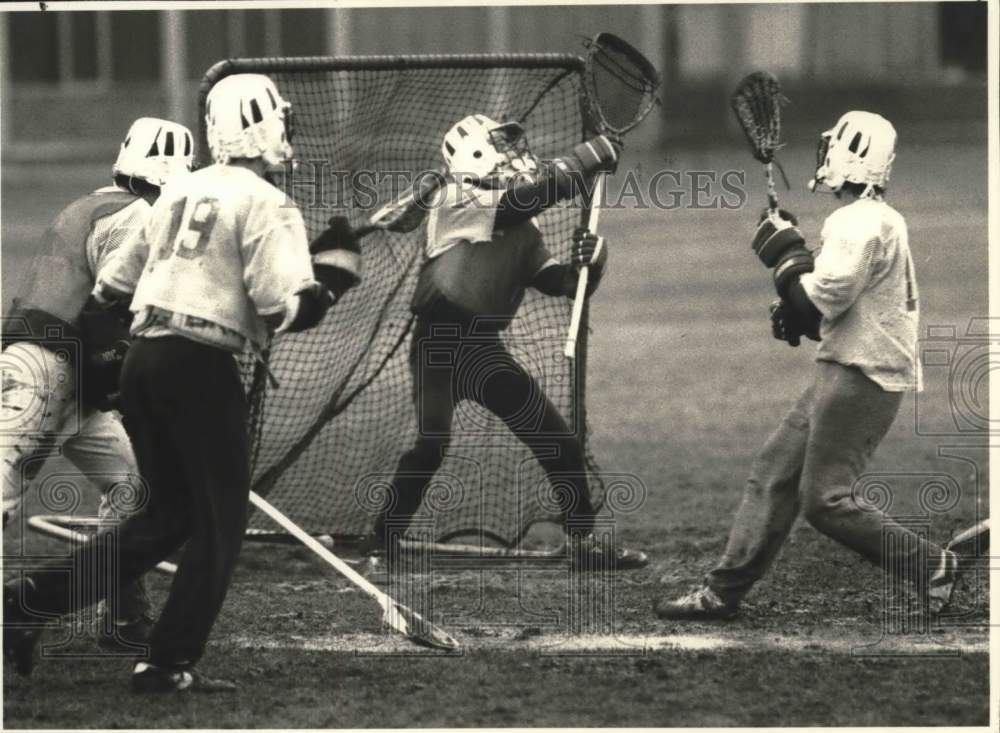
936,644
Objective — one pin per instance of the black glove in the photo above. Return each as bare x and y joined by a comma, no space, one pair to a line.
337,257
591,250
104,328
787,324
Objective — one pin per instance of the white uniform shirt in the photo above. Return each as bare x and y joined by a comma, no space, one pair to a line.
865,287
222,246
461,212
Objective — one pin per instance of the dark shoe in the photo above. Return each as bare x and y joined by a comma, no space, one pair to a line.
20,642
703,604
973,541
590,553
941,586
148,678
130,636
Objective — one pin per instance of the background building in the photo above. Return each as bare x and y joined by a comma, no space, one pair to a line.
72,80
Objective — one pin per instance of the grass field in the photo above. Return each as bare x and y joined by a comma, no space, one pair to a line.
685,383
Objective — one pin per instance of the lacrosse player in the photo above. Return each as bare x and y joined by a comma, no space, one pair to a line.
483,250
222,260
58,400
858,297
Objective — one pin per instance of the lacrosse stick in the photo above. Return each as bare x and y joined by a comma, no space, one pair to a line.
619,90
408,210
757,103
395,615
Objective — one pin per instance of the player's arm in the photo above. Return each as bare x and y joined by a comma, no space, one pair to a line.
842,270
553,278
119,272
336,257
561,179
781,247
291,289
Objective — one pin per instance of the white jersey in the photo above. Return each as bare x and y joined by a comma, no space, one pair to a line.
865,287
222,249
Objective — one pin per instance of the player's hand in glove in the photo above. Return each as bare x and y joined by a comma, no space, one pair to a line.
337,257
592,251
787,324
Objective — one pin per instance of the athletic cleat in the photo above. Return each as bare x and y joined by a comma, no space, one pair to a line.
131,636
590,553
973,541
20,645
148,678
703,604
941,585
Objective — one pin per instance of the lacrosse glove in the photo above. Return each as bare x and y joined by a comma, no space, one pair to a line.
788,324
336,257
592,251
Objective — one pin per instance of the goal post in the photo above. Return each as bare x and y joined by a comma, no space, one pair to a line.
326,439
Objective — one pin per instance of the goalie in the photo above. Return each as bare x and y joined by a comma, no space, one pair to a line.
483,250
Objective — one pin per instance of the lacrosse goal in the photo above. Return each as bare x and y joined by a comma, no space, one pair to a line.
327,438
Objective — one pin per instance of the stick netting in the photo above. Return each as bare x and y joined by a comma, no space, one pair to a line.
327,440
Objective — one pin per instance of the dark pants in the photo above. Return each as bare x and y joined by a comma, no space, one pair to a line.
452,359
186,414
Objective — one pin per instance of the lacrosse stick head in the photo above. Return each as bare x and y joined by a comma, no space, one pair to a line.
416,628
619,84
757,104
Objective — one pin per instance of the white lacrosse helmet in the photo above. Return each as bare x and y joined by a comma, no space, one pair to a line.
477,148
154,150
245,117
859,149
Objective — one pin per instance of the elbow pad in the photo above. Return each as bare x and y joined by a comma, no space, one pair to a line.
599,154
784,250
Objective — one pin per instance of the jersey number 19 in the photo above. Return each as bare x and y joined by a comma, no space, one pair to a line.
191,242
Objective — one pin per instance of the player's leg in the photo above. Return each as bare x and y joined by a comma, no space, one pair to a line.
851,416
103,453
38,411
766,515
202,424
491,376
144,539
432,364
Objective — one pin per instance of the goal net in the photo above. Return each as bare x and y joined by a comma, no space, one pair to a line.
326,439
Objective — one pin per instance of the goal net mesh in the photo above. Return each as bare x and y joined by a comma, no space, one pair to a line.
326,439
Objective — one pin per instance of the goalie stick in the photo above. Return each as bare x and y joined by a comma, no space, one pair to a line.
619,90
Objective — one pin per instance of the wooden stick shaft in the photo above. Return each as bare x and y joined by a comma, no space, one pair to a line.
772,195
309,541
581,283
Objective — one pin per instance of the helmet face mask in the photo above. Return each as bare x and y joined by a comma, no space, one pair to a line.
154,150
859,149
245,117
482,151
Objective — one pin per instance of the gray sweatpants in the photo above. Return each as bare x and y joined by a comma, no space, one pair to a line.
41,417
810,464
